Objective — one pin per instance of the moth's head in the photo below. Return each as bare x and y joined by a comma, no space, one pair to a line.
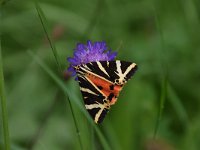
120,81
76,67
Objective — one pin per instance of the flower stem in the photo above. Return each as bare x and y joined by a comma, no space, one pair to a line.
164,70
41,17
75,122
3,105
161,106
53,48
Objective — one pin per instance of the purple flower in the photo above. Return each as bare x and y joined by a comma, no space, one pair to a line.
90,52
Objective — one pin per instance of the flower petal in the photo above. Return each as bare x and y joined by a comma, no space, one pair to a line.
90,52
72,60
89,45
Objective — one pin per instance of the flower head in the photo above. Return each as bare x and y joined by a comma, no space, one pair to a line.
97,51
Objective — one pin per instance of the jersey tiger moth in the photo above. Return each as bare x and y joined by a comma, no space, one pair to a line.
100,84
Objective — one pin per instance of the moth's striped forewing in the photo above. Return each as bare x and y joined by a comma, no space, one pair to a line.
100,83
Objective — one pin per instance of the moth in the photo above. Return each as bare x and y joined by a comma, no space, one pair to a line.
100,84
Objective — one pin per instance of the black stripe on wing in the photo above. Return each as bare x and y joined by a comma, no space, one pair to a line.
94,68
131,73
103,114
111,68
88,97
91,99
93,112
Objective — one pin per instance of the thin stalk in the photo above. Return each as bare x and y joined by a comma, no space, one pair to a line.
41,17
161,106
75,122
53,48
4,105
164,73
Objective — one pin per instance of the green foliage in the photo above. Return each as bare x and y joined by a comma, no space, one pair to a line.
162,37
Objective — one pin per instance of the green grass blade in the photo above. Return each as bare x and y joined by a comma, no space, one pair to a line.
161,105
3,104
72,98
75,122
43,22
164,71
53,48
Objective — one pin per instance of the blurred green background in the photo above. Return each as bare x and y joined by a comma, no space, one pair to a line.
162,37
